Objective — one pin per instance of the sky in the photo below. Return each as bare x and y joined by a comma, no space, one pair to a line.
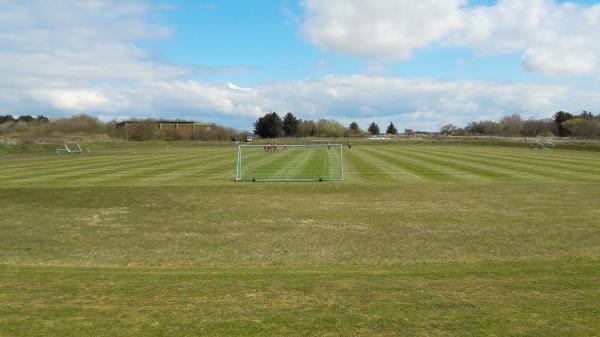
420,64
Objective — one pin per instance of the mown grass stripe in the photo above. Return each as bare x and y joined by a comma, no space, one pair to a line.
398,162
553,156
326,164
570,155
390,170
259,164
100,173
21,163
358,168
557,171
554,161
419,166
72,171
153,171
296,168
109,164
467,171
526,168
509,170
535,168
200,170
54,163
334,165
51,161
87,167
497,168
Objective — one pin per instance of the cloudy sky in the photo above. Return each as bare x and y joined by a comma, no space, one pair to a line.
416,63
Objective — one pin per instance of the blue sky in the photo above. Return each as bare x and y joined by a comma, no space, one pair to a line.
264,36
259,35
351,60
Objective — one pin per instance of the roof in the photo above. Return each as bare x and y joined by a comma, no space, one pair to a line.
167,121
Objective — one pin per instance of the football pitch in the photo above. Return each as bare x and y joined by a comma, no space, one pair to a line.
418,240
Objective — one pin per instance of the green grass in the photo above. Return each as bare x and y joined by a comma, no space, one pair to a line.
290,163
419,239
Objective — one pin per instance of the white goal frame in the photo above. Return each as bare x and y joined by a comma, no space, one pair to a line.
238,175
70,150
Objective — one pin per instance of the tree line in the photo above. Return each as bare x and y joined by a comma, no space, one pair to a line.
271,125
147,129
562,124
27,127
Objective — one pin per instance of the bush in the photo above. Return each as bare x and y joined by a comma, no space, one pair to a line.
82,124
170,134
216,132
306,128
144,130
330,128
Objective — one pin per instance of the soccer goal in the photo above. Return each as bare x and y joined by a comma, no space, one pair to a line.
70,149
314,162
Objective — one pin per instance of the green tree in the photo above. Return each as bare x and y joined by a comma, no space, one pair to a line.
6,118
534,127
354,129
511,125
80,124
329,128
391,129
491,128
290,125
591,125
269,126
25,118
573,125
559,118
448,129
373,128
307,128
144,130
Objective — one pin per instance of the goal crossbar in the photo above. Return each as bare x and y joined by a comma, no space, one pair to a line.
239,168
289,145
70,149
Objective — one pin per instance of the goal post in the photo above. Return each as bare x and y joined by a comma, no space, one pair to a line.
282,162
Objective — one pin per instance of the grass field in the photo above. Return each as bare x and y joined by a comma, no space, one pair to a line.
290,162
424,240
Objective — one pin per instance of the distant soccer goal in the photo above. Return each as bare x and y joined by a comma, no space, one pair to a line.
70,149
315,162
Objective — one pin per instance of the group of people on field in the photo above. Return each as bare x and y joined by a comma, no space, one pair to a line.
272,147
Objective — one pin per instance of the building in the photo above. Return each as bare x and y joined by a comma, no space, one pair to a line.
183,128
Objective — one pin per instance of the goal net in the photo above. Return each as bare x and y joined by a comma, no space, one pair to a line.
317,162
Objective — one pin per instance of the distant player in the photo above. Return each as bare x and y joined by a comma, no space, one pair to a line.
349,146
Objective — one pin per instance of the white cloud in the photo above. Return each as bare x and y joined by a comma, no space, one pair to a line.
385,29
79,40
420,103
555,39
75,100
69,57
73,56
